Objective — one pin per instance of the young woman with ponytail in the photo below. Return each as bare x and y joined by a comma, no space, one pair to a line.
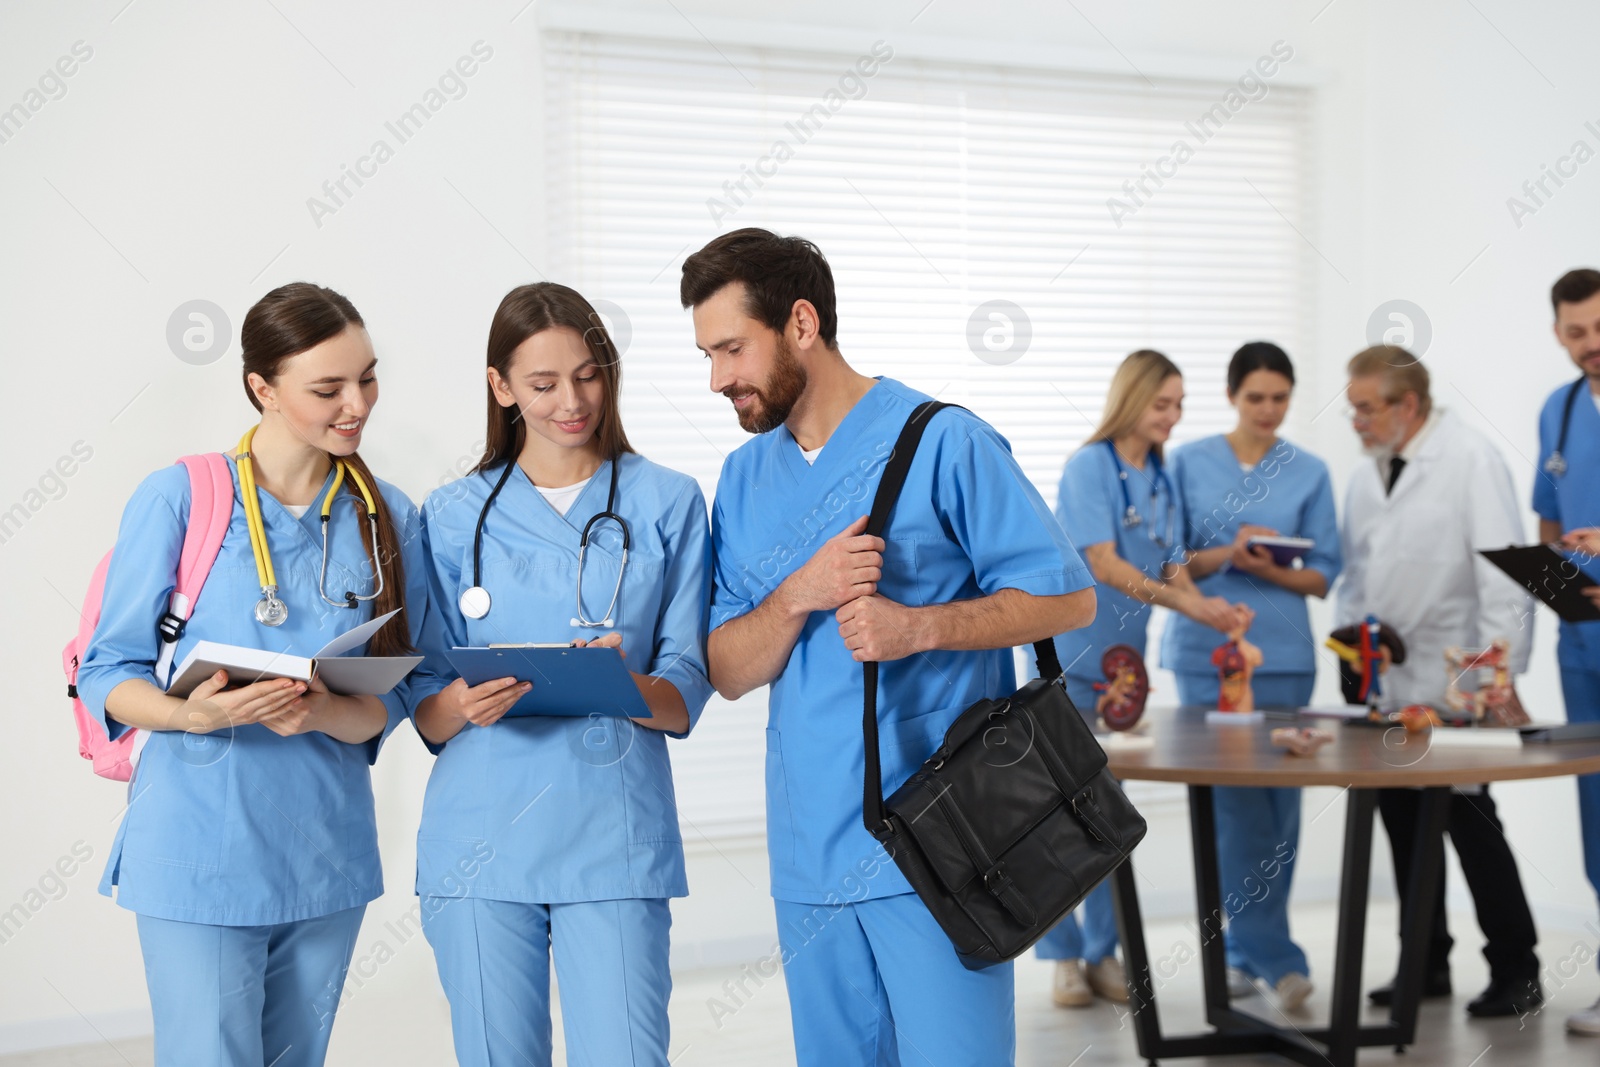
248,850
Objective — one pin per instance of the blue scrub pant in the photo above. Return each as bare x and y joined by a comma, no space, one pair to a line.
877,984
611,962
1258,838
1580,689
1092,935
246,996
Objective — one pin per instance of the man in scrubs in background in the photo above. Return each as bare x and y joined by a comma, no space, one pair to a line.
974,564
1566,494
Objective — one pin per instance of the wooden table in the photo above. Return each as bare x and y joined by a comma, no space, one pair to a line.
1362,759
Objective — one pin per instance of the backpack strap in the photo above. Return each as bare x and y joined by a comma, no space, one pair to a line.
210,511
873,813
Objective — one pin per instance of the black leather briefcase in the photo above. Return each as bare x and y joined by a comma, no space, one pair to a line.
1015,818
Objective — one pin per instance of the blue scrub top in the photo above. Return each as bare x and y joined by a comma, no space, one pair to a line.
547,810
1091,508
1573,500
1288,491
242,827
968,524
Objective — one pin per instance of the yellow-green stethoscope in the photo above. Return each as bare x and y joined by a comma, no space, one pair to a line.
270,610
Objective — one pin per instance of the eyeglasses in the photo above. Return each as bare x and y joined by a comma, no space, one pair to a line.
1365,413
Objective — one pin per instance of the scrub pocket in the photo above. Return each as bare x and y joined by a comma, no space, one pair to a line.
905,745
780,805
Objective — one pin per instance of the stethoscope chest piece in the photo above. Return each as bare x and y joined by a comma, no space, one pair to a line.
270,611
474,602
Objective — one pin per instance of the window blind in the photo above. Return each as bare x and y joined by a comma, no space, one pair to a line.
934,188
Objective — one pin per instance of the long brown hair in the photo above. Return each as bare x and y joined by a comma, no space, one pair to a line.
525,311
284,323
1133,389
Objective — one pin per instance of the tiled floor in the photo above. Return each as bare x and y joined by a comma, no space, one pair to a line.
401,1020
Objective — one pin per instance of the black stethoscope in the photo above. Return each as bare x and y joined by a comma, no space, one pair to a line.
1130,514
475,602
1556,463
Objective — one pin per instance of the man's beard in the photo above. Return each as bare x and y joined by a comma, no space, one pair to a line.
1590,371
1383,450
777,396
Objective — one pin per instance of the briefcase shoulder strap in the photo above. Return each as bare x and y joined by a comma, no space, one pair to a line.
873,814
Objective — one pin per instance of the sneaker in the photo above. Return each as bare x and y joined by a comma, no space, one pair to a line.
1292,989
1586,1021
1108,980
1240,985
1070,988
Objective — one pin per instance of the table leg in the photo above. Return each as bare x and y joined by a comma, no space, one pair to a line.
1208,900
1236,1033
1136,955
1427,862
1344,1015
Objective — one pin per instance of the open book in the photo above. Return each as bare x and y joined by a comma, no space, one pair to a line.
345,675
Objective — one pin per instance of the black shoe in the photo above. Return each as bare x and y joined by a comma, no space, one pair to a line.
1507,996
1436,983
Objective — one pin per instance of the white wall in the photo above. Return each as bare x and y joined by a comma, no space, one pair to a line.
178,164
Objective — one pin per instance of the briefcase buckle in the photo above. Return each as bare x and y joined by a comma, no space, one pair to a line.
1084,807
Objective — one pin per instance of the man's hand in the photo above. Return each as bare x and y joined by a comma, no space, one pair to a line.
877,629
847,566
1585,540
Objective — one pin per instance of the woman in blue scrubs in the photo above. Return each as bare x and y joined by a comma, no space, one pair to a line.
249,850
1235,486
547,837
1118,507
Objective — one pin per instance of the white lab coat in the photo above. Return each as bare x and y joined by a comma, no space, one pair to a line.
1412,560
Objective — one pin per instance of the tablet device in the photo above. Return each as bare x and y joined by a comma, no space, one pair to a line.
1285,550
567,681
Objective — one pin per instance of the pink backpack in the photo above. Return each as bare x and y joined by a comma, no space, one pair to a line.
210,510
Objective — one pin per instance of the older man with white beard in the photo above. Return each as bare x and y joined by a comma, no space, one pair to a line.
1435,492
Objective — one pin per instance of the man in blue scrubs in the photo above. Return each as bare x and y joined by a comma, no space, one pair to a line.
973,565
1566,494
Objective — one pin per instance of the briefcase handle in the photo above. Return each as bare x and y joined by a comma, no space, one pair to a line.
873,813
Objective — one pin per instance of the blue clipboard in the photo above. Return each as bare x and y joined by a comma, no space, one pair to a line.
571,682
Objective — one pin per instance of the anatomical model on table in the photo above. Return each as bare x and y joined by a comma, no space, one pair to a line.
1236,660
1494,703
1367,648
1122,695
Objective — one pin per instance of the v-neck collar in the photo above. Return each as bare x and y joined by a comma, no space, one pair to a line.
861,415
275,514
601,476
1227,453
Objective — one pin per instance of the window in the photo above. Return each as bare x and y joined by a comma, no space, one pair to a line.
934,188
